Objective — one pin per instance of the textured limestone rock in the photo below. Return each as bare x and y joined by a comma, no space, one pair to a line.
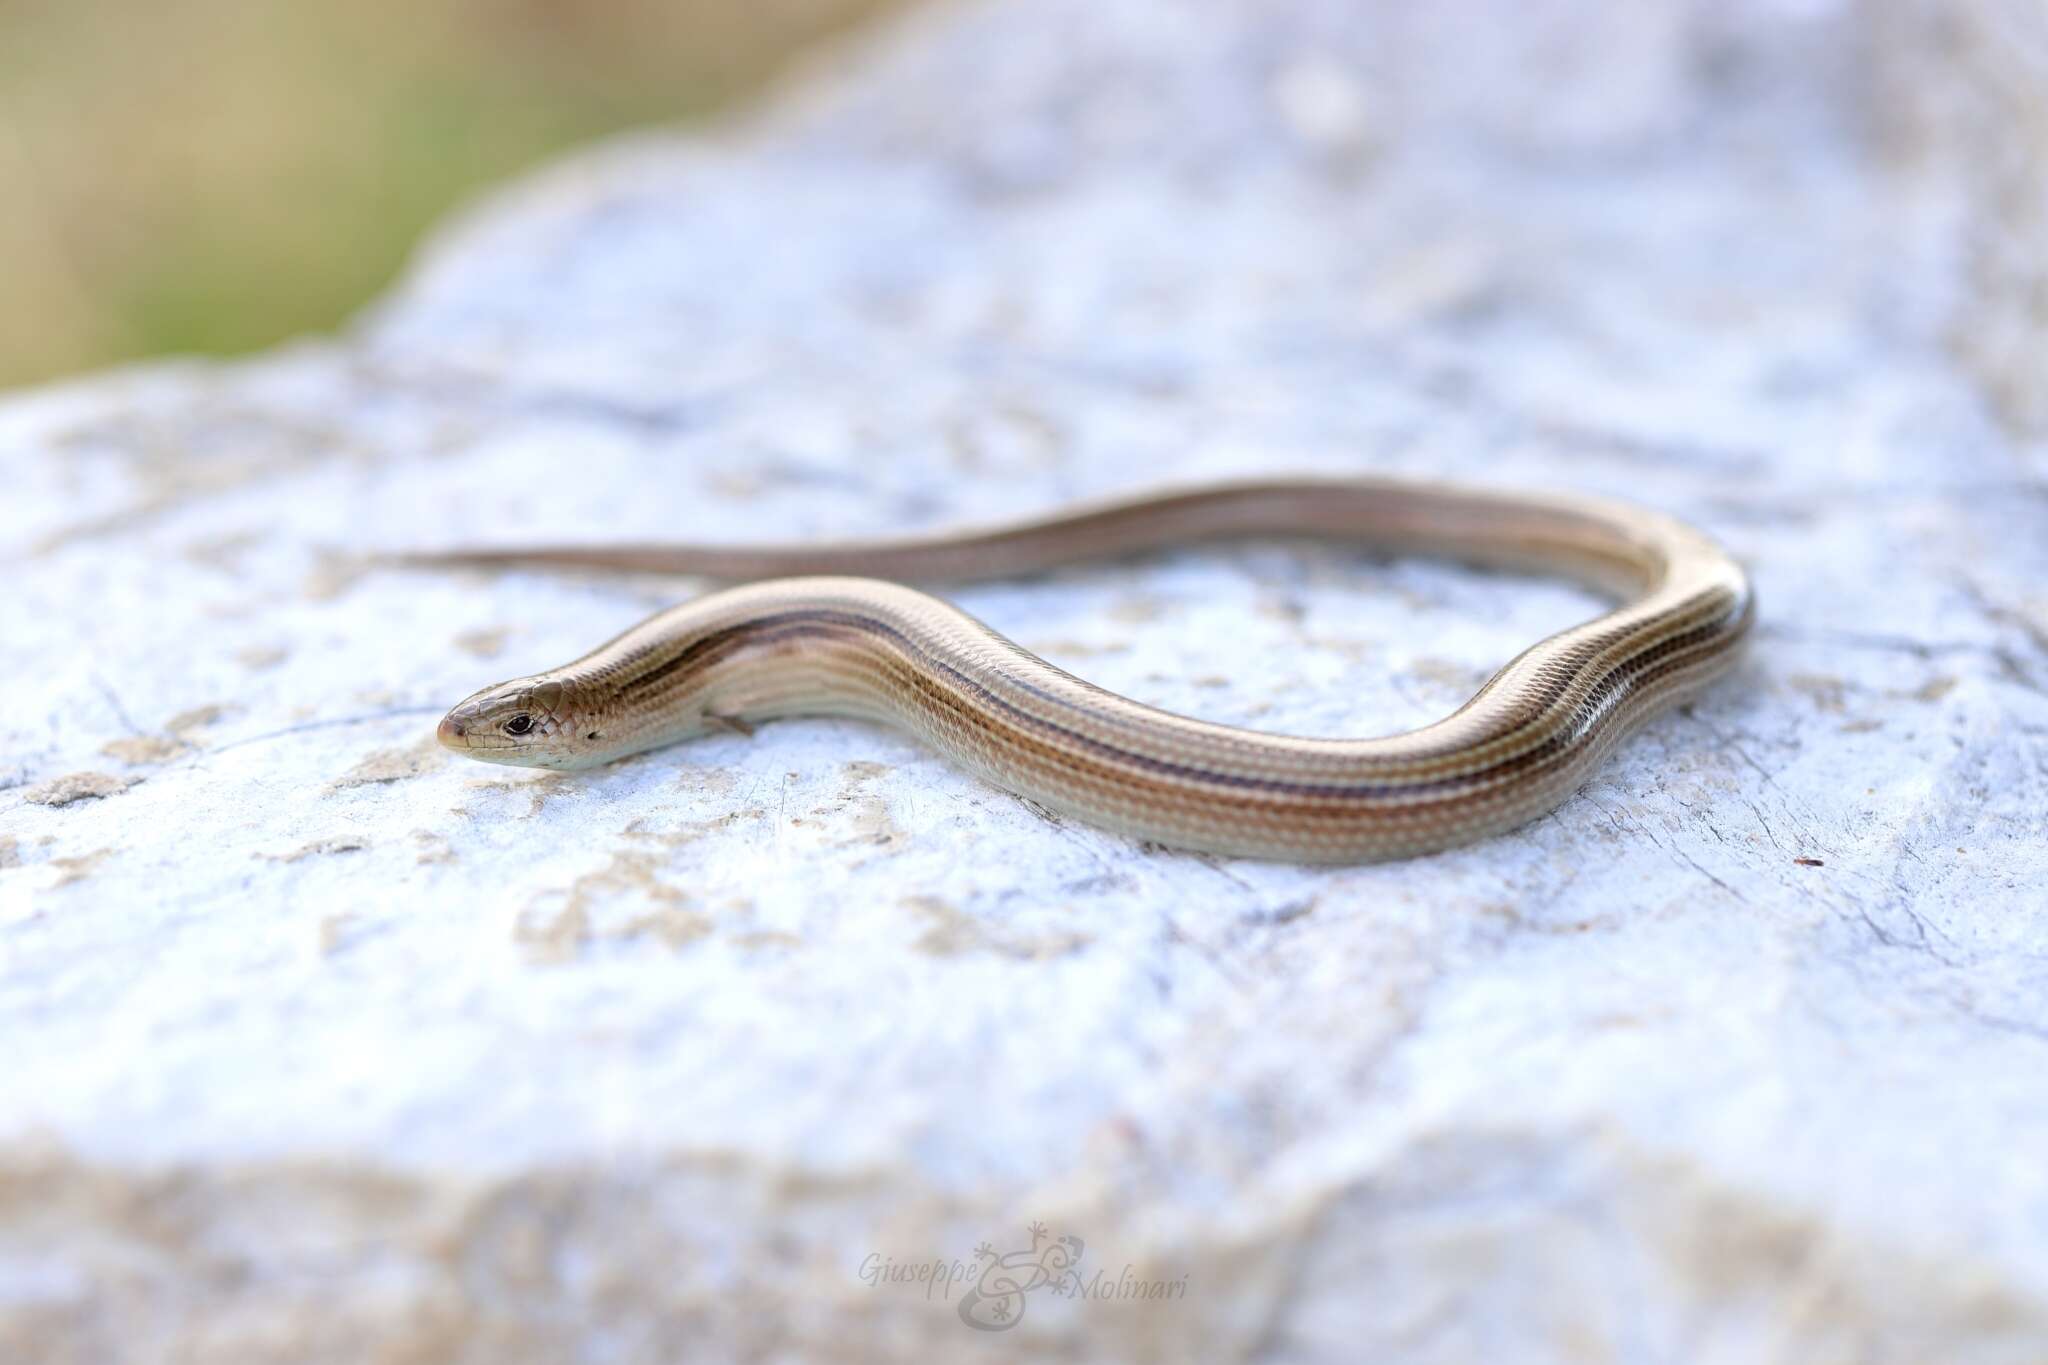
1961,90
317,1037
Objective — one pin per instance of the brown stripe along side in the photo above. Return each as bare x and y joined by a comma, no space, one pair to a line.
1038,730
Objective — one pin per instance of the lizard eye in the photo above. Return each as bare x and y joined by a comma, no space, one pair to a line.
519,724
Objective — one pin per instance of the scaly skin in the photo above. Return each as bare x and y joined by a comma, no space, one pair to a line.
861,646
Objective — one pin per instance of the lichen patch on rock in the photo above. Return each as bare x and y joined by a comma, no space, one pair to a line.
75,787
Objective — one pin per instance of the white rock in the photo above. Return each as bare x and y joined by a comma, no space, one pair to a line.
317,1037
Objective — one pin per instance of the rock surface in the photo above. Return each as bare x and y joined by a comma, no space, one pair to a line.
318,1037
1969,87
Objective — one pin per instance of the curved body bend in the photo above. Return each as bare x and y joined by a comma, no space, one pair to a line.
828,642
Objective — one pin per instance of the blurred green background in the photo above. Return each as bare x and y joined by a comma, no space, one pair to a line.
216,175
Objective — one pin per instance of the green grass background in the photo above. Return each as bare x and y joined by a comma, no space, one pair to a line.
216,175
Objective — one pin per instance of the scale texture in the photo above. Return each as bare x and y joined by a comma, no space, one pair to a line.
317,1035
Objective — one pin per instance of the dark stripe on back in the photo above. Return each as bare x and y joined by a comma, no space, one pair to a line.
1612,689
